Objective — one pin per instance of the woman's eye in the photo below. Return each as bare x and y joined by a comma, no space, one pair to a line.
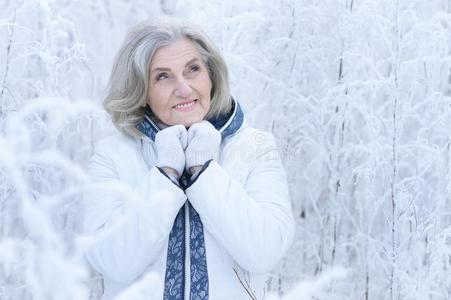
161,76
194,68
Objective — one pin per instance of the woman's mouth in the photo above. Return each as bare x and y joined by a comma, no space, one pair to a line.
186,106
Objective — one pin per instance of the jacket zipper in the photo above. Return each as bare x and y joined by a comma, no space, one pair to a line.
187,254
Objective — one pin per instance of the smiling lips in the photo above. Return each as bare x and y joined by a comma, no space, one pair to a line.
186,106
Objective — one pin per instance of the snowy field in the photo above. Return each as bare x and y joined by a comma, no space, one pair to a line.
358,93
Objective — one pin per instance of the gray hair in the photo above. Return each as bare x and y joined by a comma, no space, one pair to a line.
128,85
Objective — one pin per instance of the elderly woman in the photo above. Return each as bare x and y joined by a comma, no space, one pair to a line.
215,213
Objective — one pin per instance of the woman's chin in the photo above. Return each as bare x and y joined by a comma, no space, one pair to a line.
188,123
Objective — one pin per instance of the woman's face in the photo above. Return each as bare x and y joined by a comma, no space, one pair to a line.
179,84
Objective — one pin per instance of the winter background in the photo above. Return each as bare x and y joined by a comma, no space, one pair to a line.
357,92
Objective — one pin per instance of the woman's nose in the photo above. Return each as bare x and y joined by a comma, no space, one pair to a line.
183,89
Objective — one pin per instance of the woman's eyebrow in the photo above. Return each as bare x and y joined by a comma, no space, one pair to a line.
160,69
191,61
168,69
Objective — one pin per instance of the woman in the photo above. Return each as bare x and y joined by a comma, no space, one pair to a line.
214,214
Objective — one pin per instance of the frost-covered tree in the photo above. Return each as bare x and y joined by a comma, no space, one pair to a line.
358,93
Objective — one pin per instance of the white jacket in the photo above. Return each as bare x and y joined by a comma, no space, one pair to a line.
242,199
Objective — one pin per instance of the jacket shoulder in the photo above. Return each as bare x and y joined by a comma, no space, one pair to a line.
115,148
115,143
249,145
253,137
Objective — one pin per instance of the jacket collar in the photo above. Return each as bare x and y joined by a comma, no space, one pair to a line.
226,124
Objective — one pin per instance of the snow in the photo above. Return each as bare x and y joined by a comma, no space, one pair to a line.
357,93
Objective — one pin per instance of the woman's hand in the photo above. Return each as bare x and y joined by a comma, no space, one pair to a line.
170,144
203,144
